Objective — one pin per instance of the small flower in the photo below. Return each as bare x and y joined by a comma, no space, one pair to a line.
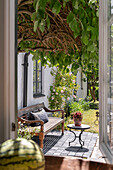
77,115
54,90
56,101
68,98
64,88
62,91
52,98
70,73
56,93
73,81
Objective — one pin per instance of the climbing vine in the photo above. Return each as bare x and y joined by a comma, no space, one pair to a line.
60,33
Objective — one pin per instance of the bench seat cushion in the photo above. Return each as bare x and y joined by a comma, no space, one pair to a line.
49,126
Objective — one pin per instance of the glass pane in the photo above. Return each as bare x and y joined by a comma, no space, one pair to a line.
40,76
34,88
37,76
34,76
38,88
34,65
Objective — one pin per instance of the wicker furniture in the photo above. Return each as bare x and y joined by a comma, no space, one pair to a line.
43,129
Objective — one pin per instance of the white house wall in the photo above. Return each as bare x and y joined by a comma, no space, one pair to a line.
47,80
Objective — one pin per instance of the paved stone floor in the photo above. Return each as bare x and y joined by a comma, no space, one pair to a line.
57,145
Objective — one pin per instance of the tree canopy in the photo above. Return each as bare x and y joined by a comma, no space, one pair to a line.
54,30
60,33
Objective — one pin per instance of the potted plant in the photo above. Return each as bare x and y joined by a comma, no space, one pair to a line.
77,117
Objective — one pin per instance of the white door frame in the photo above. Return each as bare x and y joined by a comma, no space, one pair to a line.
103,98
8,99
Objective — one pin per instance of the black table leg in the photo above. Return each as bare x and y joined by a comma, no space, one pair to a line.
74,136
80,140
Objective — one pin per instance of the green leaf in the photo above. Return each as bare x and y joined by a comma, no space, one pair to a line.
85,39
89,28
34,4
91,48
41,14
73,25
35,26
97,13
42,25
75,4
42,4
76,34
33,17
64,4
37,5
75,66
70,17
56,8
48,23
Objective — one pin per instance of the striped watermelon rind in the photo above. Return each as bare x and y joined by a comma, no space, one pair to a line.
21,154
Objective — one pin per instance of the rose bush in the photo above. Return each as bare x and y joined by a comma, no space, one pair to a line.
63,89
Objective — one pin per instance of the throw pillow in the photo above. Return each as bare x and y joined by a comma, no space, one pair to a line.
42,115
31,116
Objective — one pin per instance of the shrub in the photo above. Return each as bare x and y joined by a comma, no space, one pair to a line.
79,105
62,89
75,106
85,104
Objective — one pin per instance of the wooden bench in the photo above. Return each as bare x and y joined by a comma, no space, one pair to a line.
52,123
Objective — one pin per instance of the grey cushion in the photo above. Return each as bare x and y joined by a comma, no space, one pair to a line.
32,117
42,115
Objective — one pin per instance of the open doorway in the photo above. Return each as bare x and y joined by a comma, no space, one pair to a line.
55,44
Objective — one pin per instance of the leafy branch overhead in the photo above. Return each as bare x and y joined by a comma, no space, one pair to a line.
60,32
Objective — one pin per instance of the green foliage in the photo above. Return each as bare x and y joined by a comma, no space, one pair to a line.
79,19
85,104
62,89
25,131
80,105
83,21
75,106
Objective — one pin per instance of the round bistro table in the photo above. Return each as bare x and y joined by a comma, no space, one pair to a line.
81,128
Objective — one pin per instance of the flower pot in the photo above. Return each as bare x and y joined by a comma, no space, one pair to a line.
77,122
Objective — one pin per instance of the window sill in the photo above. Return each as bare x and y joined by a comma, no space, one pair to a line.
38,95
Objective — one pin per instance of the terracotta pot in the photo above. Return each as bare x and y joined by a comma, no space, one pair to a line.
77,122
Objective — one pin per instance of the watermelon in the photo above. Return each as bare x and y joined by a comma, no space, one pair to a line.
21,154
